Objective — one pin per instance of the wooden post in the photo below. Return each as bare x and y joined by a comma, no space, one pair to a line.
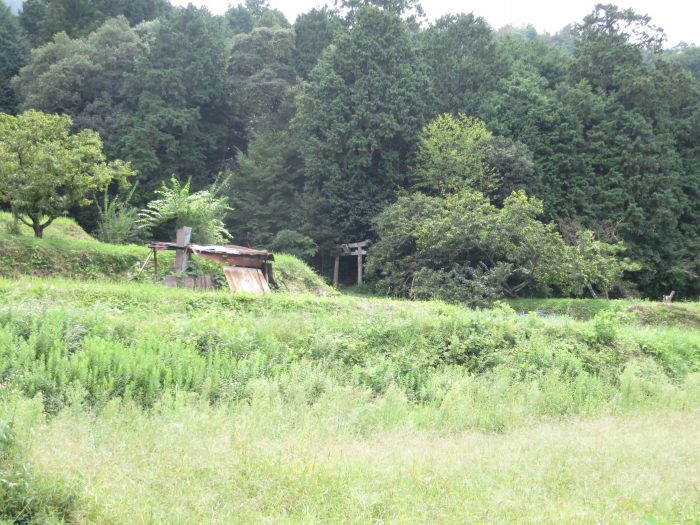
336,268
268,274
182,239
155,263
267,267
359,266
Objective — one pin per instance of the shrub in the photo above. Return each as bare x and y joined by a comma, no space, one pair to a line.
203,211
117,221
464,241
294,243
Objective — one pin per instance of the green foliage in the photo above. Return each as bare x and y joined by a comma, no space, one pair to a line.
464,65
514,164
33,11
157,93
13,54
203,211
117,221
45,169
263,189
132,341
294,243
462,247
263,15
452,153
243,18
175,118
357,122
476,287
314,32
262,77
606,325
597,121
26,498
42,19
84,78
606,120
688,56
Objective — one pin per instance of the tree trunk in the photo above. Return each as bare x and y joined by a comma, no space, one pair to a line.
36,224
37,227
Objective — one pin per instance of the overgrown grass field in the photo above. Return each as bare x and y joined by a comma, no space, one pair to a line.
132,403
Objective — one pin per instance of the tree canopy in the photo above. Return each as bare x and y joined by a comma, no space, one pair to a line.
462,247
45,170
322,124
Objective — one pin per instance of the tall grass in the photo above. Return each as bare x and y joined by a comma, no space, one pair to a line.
132,403
188,462
452,368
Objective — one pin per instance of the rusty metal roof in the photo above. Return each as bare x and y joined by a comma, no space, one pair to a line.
214,249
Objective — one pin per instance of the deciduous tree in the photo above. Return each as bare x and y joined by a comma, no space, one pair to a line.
45,169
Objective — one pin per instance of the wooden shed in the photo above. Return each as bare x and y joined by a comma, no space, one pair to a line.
246,269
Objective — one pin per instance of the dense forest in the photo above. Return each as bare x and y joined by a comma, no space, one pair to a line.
344,124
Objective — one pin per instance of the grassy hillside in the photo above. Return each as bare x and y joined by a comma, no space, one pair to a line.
67,251
122,401
215,343
645,312
228,408
61,228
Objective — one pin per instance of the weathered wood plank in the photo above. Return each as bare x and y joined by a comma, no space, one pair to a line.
336,269
361,244
182,239
359,269
249,261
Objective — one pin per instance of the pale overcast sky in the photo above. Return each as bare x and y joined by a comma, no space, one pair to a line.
679,18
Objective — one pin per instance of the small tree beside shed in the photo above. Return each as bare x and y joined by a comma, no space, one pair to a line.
45,169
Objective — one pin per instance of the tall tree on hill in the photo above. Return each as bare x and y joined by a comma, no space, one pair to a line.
13,54
262,77
84,78
461,54
357,124
243,18
410,10
176,119
314,32
610,139
33,12
688,57
638,169
42,19
263,189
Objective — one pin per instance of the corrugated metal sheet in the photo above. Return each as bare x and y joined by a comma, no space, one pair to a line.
243,268
215,249
230,254
229,249
246,280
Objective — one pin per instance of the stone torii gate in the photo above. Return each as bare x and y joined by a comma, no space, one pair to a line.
350,249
